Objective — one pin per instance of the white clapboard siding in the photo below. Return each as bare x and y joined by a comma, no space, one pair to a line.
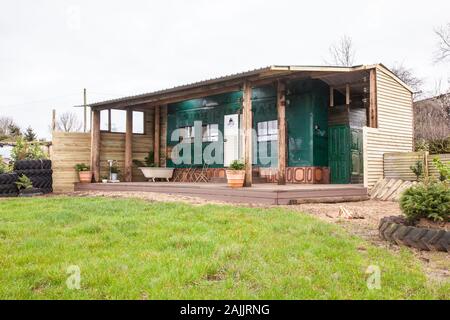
395,126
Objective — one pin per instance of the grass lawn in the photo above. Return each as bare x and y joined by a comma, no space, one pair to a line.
131,249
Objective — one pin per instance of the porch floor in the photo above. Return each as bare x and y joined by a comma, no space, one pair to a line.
267,193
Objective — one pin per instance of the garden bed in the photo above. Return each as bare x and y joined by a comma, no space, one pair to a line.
397,230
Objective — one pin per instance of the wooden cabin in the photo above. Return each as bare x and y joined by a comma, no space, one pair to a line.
297,125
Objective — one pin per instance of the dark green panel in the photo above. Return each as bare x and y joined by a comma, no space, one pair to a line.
264,106
339,154
299,121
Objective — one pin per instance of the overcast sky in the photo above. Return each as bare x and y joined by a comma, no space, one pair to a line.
51,50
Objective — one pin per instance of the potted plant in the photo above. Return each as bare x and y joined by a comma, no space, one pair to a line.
25,187
236,174
104,179
115,173
84,172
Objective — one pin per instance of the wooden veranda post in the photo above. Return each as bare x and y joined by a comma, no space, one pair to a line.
95,145
247,114
129,147
157,136
373,113
281,110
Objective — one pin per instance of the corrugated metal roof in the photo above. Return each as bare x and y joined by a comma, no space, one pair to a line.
243,75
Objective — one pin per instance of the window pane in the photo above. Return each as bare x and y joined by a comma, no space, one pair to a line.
273,127
118,120
138,122
262,128
104,120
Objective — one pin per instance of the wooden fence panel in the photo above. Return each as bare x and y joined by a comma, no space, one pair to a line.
397,165
68,149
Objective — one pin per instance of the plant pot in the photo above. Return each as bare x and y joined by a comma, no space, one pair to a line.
105,181
114,176
30,192
235,178
85,176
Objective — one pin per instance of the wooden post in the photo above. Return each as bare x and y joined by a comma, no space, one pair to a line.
157,136
331,97
53,120
95,145
247,113
373,116
85,110
129,147
347,94
281,110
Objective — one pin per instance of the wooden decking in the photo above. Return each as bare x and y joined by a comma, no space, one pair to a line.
267,193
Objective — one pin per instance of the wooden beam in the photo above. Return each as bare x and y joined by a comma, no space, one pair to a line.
157,136
248,119
129,146
281,110
373,112
95,145
331,97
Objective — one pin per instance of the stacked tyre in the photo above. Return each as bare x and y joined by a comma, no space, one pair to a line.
39,171
8,187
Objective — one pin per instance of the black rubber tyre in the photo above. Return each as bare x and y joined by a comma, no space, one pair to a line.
395,231
8,178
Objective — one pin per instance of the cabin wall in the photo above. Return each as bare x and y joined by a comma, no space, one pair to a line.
70,148
395,126
112,147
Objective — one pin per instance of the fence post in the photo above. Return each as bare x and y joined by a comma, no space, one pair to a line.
425,164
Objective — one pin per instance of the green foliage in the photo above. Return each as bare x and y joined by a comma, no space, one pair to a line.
29,135
417,169
24,183
24,150
436,146
79,167
4,168
148,161
115,169
444,169
14,130
430,201
237,165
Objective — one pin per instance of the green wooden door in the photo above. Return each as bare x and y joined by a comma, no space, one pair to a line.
339,155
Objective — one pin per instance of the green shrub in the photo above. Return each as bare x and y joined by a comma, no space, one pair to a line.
237,165
417,169
444,169
81,167
4,168
24,150
148,161
431,201
24,183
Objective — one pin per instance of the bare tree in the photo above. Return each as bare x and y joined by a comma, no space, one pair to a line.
443,51
5,124
407,76
68,122
343,52
432,122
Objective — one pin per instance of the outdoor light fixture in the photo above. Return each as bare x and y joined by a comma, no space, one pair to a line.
231,122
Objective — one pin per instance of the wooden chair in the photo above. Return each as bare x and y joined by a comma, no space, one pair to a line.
202,176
